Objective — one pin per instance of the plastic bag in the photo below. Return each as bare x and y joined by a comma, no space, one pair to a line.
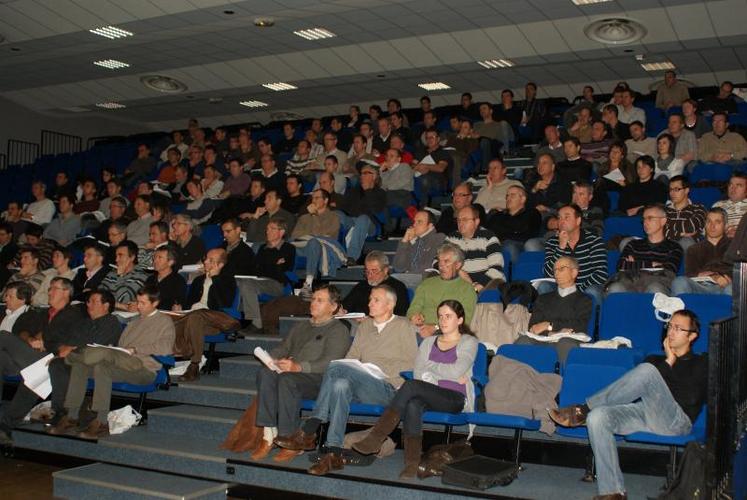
123,419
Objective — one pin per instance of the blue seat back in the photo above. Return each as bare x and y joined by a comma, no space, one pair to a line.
212,236
234,311
708,308
529,266
631,315
624,358
705,196
716,172
628,226
612,257
581,381
539,357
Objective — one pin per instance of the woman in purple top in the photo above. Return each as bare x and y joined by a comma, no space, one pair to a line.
443,382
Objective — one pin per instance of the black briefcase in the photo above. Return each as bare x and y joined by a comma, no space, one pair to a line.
479,473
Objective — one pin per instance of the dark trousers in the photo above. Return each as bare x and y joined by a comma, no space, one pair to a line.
279,398
415,397
192,328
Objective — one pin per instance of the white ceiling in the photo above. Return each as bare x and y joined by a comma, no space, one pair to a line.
225,56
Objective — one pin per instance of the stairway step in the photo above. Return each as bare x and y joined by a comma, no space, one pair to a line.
240,367
344,286
209,390
288,322
352,273
247,344
106,481
388,245
187,420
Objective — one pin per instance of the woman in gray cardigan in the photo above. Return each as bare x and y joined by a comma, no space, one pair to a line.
443,382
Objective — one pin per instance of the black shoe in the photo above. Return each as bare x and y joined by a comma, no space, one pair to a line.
5,440
351,262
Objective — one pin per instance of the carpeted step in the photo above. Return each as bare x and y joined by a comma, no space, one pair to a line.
388,245
240,367
352,273
187,420
209,390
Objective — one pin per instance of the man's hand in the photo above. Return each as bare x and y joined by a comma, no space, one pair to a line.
540,327
288,365
721,280
37,344
417,319
311,208
630,259
463,274
632,211
670,355
427,330
731,231
563,239
132,307
722,157
64,350
542,208
409,235
260,212
422,168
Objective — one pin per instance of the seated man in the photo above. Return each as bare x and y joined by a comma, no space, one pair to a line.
126,279
172,288
29,272
65,227
417,248
705,268
461,197
318,231
565,309
189,247
274,258
721,146
35,334
302,358
93,272
151,334
432,291
433,167
648,265
516,224
43,247
574,168
158,236
549,190
483,260
60,269
41,210
240,254
256,224
208,295
685,219
493,195
736,204
663,395
137,230
294,201
397,179
17,299
386,340
117,213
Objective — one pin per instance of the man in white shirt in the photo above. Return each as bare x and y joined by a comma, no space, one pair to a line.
42,210
17,298
736,205
493,195
629,113
639,144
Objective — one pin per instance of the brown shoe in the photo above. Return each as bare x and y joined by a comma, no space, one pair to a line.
261,452
64,426
95,430
245,434
286,455
326,463
299,441
192,373
570,416
612,496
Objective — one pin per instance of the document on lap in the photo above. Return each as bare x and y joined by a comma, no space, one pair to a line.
265,358
122,349
369,368
36,377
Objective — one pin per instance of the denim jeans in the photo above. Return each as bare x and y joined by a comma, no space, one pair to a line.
638,401
341,386
683,284
362,228
313,253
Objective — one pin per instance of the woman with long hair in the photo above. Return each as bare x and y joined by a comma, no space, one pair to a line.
667,166
443,382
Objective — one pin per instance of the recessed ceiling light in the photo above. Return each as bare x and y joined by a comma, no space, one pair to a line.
314,34
496,63
110,105
254,104
658,66
111,32
111,64
264,22
589,2
433,86
278,86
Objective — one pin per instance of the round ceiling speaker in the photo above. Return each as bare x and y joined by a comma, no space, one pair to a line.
163,84
615,31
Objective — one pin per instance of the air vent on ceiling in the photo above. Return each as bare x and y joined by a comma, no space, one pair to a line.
75,109
280,116
163,84
615,31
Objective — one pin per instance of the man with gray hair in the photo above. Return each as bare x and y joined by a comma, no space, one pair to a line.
383,339
376,268
566,309
190,248
447,285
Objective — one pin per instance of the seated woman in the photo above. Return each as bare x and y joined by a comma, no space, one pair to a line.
616,161
667,166
646,191
443,382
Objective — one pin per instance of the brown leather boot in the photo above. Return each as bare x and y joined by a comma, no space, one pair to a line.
192,373
65,425
382,428
95,430
243,435
413,449
299,441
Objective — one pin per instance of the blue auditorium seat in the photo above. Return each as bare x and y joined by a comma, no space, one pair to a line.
162,380
708,308
622,357
627,226
705,196
528,267
612,257
211,235
631,315
714,172
221,337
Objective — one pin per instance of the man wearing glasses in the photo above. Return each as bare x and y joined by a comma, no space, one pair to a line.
663,395
685,219
418,246
460,198
648,265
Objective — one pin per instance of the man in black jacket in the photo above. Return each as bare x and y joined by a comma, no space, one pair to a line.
516,224
359,207
240,255
172,288
209,294
93,272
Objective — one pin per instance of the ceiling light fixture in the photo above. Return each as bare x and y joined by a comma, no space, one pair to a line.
589,2
278,86
496,63
658,66
264,22
164,84
615,31
110,105
254,104
433,86
314,34
111,64
111,32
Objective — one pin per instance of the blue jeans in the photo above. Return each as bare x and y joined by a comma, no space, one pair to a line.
639,401
313,253
362,228
341,386
683,284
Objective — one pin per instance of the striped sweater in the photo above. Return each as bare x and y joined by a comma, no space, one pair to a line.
666,254
589,253
483,260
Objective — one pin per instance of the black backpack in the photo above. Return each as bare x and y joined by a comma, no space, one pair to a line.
689,480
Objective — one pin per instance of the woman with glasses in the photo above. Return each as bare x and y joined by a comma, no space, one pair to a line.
663,395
